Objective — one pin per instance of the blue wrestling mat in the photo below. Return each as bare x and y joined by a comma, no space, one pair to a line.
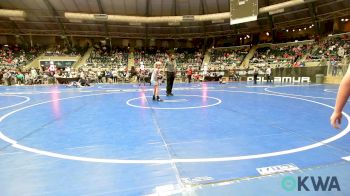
207,139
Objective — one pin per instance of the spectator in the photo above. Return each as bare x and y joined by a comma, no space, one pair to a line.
189,73
268,74
255,74
334,66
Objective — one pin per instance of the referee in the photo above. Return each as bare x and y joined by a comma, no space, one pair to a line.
170,66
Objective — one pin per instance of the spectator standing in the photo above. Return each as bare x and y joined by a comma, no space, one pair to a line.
334,66
189,73
255,74
268,74
205,71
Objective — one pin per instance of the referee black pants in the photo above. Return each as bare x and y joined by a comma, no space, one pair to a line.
170,77
255,78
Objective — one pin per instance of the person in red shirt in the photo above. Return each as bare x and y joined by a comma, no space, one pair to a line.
196,77
189,73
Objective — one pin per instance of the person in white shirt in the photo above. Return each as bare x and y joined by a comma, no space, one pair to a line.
67,70
155,80
205,71
34,74
268,74
142,67
341,52
52,68
115,75
142,74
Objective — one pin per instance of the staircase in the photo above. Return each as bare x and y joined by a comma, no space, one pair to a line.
303,59
206,59
245,62
131,60
35,63
83,59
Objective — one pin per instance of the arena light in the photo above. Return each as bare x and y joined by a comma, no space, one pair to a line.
78,16
188,18
12,13
101,17
276,11
243,20
282,5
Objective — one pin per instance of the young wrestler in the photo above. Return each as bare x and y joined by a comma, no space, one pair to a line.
342,97
155,81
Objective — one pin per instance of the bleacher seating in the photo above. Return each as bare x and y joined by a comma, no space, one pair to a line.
103,56
228,56
332,46
282,55
17,56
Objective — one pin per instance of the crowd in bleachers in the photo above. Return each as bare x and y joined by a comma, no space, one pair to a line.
18,76
17,56
188,56
282,55
337,47
104,56
185,58
149,57
228,56
66,50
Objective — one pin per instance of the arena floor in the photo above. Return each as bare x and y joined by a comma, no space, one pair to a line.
208,139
